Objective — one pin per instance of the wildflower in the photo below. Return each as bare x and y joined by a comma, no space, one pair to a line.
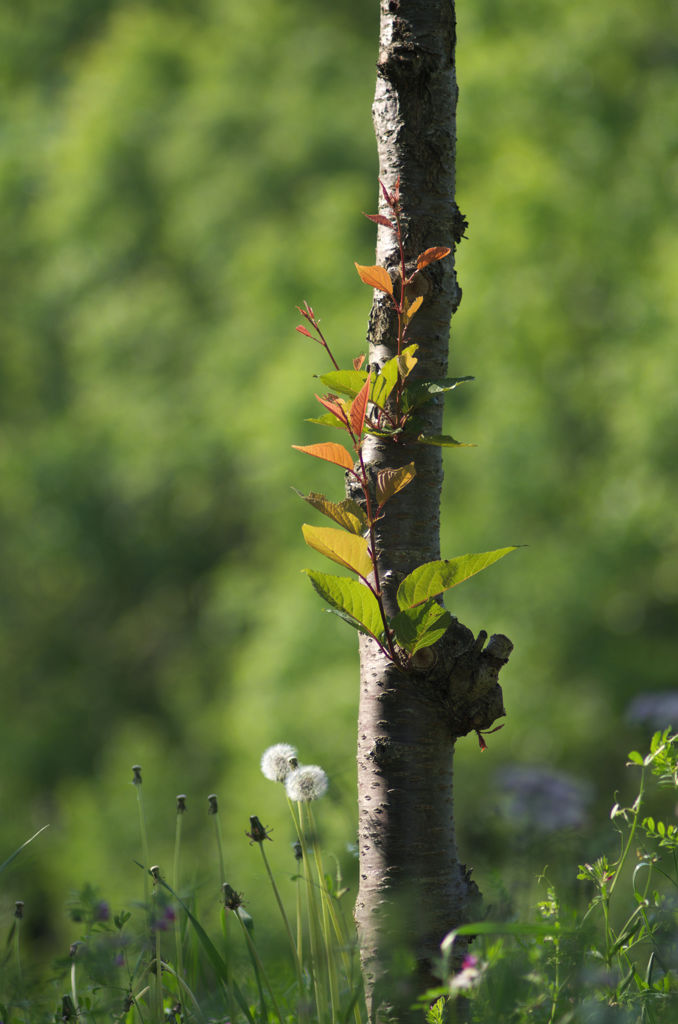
278,761
102,911
232,899
469,975
306,783
654,709
544,799
258,833
166,919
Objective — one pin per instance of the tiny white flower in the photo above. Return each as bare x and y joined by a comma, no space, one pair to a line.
276,761
306,783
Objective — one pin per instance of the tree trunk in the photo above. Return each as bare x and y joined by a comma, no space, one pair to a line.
413,890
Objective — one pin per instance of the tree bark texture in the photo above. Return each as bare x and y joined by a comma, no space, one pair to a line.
413,890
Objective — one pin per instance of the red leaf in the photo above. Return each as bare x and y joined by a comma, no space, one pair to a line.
359,407
436,252
302,330
334,407
387,197
377,218
329,451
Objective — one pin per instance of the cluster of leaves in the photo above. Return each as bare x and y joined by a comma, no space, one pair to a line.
616,961
381,402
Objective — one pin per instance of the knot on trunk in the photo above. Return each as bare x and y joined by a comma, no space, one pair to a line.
464,677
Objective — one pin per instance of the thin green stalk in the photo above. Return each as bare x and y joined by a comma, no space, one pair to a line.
181,807
325,913
293,948
317,960
632,831
18,917
158,1010
213,810
144,836
259,969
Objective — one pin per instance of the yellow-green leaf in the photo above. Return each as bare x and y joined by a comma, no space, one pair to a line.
434,578
412,307
407,360
346,513
345,549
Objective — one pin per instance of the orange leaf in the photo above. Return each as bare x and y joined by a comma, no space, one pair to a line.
329,451
436,252
376,277
359,407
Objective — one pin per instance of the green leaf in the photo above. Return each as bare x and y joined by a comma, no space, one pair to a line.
350,598
345,549
419,392
387,377
23,846
344,382
385,382
422,626
437,387
433,578
346,513
327,420
443,441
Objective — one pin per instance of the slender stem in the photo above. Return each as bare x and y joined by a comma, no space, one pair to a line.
175,886
259,968
295,958
373,556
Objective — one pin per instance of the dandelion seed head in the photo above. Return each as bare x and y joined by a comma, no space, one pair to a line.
275,762
309,782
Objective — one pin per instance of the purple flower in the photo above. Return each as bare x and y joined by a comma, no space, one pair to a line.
546,800
102,911
658,710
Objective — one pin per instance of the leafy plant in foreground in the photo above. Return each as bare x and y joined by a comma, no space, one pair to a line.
618,961
383,403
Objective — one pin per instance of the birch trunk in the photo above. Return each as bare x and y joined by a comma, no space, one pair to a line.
413,889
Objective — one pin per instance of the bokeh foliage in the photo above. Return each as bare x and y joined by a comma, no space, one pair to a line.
172,183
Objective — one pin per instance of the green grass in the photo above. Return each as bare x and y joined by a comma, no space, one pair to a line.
614,960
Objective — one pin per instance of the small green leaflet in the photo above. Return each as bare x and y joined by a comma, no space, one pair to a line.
437,387
351,599
443,441
346,513
422,626
433,578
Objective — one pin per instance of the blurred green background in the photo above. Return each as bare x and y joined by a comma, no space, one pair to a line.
172,183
